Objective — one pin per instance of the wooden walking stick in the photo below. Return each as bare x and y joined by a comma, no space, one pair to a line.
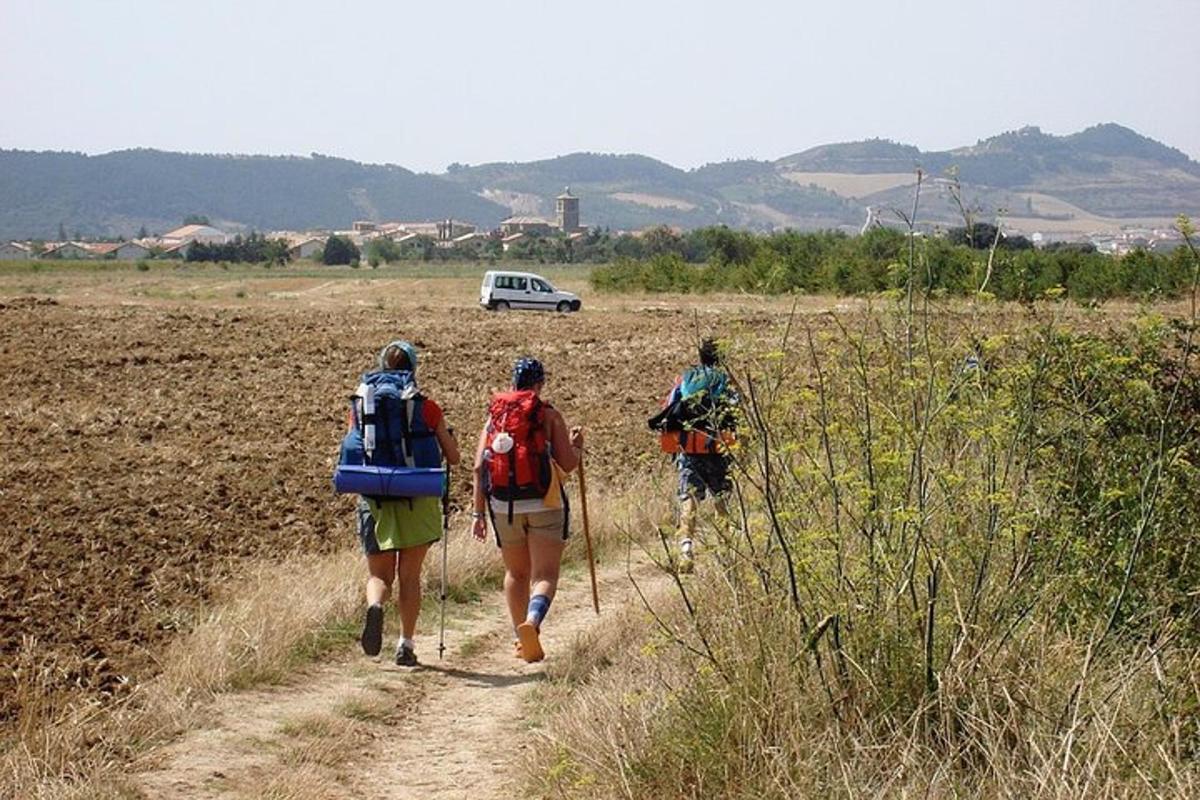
587,536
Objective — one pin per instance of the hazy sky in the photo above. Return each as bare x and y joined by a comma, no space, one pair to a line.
426,84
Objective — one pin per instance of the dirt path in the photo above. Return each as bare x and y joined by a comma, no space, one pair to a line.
362,728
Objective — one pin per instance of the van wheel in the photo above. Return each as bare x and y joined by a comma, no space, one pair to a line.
576,305
564,307
501,305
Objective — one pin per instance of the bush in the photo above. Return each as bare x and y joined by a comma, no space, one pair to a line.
961,564
828,262
339,250
253,249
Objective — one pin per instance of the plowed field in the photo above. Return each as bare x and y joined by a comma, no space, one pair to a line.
160,430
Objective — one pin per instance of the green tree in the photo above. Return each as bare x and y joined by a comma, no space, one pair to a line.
339,250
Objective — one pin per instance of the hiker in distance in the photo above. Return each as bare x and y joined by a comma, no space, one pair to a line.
406,429
696,425
523,454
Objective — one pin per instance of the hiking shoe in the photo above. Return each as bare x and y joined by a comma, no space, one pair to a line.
529,644
405,655
372,634
687,559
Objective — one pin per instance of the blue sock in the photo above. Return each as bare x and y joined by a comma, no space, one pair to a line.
539,604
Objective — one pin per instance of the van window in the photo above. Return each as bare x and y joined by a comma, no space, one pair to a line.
512,282
540,286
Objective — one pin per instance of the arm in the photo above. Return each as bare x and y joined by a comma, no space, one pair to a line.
479,501
446,441
566,447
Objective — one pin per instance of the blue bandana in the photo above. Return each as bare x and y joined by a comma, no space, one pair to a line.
527,373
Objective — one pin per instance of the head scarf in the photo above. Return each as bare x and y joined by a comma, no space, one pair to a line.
527,373
385,355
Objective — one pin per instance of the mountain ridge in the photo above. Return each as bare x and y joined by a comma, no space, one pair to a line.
1090,179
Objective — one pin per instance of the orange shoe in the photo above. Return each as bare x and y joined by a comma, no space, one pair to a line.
531,647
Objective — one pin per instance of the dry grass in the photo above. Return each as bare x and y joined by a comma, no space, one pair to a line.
263,628
259,633
655,726
303,782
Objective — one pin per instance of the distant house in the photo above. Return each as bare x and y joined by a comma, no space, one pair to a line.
511,239
526,225
205,234
122,251
400,236
15,251
68,250
176,249
429,229
450,229
305,248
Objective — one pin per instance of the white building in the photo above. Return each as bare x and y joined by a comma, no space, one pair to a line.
305,248
205,234
15,251
68,250
122,251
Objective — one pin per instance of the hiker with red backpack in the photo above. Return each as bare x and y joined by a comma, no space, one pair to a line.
697,426
524,452
398,439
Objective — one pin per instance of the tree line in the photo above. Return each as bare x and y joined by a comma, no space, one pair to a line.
961,262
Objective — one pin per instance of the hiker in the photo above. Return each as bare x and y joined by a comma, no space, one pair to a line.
696,426
396,533
523,454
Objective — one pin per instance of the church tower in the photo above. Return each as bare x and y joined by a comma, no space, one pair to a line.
566,205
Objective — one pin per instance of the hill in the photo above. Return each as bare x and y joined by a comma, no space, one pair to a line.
1100,179
118,193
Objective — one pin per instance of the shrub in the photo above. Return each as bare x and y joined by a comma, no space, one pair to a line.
835,263
961,561
339,250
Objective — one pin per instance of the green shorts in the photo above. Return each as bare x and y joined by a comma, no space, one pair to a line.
398,524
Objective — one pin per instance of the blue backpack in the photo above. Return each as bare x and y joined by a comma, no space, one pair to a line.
389,437
698,381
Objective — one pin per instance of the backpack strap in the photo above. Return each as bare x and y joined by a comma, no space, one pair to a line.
406,416
367,393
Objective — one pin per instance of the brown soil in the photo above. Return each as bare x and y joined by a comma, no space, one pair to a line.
162,430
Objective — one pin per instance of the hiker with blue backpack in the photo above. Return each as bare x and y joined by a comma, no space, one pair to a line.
696,426
392,457
524,452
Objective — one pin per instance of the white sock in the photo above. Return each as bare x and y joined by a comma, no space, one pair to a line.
411,644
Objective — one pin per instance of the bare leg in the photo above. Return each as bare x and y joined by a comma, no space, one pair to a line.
408,594
382,569
687,521
545,558
516,580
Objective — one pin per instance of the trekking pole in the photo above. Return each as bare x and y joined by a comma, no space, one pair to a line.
587,536
445,544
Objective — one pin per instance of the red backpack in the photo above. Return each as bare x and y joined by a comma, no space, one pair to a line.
518,458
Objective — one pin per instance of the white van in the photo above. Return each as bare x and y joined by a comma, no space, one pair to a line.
504,290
